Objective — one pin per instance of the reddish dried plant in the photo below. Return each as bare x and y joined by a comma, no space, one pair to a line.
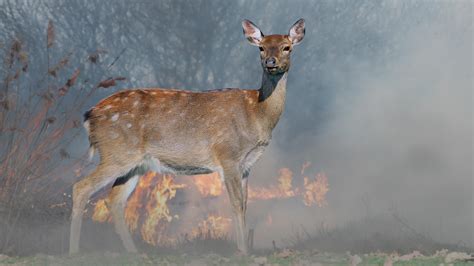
39,120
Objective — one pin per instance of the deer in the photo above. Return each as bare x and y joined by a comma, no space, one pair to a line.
185,132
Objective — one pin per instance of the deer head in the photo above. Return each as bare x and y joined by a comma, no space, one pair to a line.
275,49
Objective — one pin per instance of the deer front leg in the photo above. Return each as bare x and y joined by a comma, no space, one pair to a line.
232,180
118,201
244,192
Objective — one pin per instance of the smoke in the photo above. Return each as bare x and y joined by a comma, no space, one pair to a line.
397,133
379,94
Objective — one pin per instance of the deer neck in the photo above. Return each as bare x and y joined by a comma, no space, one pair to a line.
271,98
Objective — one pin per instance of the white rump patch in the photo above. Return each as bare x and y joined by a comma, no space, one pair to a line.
87,126
91,152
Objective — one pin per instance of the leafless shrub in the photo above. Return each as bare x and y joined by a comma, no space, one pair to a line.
38,124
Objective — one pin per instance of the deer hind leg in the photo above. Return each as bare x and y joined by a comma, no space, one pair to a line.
121,190
245,191
233,183
82,191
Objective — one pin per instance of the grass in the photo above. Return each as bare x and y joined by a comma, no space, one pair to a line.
295,258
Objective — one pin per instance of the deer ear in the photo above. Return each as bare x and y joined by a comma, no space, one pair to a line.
252,32
297,31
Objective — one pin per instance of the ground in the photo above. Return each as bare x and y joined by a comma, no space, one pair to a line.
285,257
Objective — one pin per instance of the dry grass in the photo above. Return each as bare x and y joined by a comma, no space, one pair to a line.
371,234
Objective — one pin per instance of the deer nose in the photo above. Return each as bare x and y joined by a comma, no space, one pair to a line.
270,62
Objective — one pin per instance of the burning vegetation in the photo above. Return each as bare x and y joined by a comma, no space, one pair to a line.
153,210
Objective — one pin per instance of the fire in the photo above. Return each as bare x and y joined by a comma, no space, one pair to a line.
315,191
101,212
284,182
148,206
282,191
214,227
158,211
208,185
134,203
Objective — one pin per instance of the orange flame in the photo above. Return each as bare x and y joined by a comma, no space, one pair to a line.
214,227
315,191
101,212
153,193
134,203
157,211
208,185
282,191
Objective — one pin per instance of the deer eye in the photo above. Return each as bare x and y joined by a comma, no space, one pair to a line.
260,48
286,48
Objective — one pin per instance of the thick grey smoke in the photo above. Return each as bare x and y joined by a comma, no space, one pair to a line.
397,127
379,93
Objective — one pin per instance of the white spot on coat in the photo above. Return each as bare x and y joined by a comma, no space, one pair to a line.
115,117
113,135
129,125
135,103
107,107
135,140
